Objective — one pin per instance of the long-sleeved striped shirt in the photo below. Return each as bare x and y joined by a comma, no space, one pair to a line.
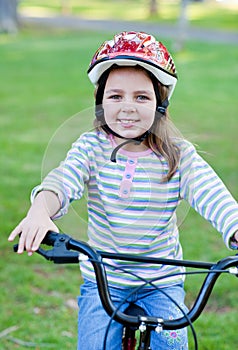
131,210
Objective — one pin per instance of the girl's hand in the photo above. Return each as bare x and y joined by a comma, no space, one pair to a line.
32,231
37,223
234,240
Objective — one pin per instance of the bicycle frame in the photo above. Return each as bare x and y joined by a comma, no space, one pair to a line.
68,250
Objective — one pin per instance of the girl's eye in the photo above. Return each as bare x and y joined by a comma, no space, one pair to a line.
142,98
114,97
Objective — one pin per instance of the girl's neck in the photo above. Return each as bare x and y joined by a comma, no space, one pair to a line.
130,147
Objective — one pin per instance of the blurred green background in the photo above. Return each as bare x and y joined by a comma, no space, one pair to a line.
46,101
208,13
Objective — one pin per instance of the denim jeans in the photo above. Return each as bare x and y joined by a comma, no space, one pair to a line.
93,320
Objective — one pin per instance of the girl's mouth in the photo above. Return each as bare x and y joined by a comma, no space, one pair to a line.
127,123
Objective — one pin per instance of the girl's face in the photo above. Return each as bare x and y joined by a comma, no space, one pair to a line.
129,102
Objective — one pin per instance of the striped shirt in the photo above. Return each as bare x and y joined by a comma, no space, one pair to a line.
132,210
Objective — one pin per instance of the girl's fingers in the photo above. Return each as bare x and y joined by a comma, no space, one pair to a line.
18,232
14,233
24,242
31,235
26,238
40,234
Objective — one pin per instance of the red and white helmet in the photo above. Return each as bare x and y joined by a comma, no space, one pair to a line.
135,48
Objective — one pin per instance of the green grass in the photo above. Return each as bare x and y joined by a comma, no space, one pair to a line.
46,101
210,13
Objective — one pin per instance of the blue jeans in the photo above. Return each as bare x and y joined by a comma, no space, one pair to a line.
93,320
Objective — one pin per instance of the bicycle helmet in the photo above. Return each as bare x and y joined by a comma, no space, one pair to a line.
135,48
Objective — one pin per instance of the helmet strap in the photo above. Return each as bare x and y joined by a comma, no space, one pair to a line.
116,149
161,105
161,108
137,141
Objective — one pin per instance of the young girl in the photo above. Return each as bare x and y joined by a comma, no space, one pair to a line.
136,172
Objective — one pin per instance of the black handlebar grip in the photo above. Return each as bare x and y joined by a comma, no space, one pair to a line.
50,238
15,248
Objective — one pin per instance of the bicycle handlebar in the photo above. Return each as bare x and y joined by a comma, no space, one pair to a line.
62,254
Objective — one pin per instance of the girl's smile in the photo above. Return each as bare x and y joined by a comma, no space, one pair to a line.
129,102
127,123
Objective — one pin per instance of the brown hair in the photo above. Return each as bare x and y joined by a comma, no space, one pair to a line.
162,138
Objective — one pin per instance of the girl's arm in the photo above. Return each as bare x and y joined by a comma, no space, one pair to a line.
33,228
208,195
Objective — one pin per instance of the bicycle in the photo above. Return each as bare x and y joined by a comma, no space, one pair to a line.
67,250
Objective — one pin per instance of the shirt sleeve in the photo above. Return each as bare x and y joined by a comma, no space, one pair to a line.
69,178
207,194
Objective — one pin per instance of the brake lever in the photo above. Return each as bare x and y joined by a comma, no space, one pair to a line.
59,254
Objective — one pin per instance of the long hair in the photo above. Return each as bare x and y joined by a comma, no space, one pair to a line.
163,134
163,137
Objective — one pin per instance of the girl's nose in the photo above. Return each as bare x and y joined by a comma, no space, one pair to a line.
128,108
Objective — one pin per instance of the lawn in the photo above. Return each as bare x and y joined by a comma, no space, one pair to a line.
46,101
